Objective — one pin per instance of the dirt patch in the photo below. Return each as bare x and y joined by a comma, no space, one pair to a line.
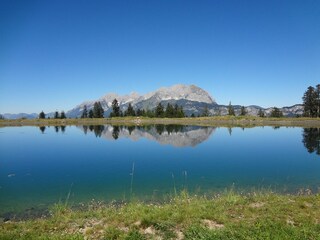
257,205
212,224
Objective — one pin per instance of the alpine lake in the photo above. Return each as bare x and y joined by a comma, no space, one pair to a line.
40,166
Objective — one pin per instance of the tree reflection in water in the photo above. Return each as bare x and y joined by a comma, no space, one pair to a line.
311,139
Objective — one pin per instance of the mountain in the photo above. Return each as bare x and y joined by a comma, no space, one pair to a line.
20,115
192,98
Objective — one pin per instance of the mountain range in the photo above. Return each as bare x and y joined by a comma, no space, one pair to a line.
193,99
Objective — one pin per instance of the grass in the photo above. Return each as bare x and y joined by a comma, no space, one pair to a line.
227,121
231,215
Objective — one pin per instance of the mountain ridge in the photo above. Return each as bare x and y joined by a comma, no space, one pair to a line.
192,98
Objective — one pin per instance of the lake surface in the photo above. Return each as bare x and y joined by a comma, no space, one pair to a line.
42,166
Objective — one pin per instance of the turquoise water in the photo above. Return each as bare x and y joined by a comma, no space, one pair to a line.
42,166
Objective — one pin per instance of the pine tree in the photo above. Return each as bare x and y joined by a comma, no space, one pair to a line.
90,115
130,111
180,113
62,115
261,113
310,102
42,115
159,111
231,110
243,111
170,111
84,112
276,113
56,115
139,112
115,109
205,112
318,99
97,110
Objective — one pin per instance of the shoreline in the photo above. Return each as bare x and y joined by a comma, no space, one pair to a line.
223,121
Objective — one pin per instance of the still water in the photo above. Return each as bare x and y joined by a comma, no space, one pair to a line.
42,166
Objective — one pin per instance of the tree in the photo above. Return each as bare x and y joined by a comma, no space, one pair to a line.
42,115
205,112
310,102
276,113
97,110
311,139
159,111
42,129
180,112
140,112
243,111
62,115
84,112
115,109
261,113
170,111
130,111
231,110
56,115
90,115
318,99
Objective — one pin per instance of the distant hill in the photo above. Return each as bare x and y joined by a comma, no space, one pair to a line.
20,115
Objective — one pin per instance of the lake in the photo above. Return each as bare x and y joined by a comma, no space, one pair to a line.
42,166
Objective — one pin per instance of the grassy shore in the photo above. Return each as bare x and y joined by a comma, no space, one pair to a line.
228,121
230,215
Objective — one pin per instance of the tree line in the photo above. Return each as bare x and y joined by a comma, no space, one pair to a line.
57,115
170,111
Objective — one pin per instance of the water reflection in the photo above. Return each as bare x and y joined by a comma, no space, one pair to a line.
311,139
176,135
42,129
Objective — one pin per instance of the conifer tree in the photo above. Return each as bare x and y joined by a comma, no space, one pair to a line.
42,115
62,115
56,115
243,111
159,111
276,113
231,110
130,111
97,110
85,112
310,102
115,109
170,111
205,112
261,113
90,115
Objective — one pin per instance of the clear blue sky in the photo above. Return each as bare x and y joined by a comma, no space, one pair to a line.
56,54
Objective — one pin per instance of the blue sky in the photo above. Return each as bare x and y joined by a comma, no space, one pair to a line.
56,54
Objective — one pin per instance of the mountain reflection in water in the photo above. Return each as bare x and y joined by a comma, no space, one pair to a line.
175,135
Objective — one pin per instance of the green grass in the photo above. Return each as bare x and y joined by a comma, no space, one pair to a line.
230,215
